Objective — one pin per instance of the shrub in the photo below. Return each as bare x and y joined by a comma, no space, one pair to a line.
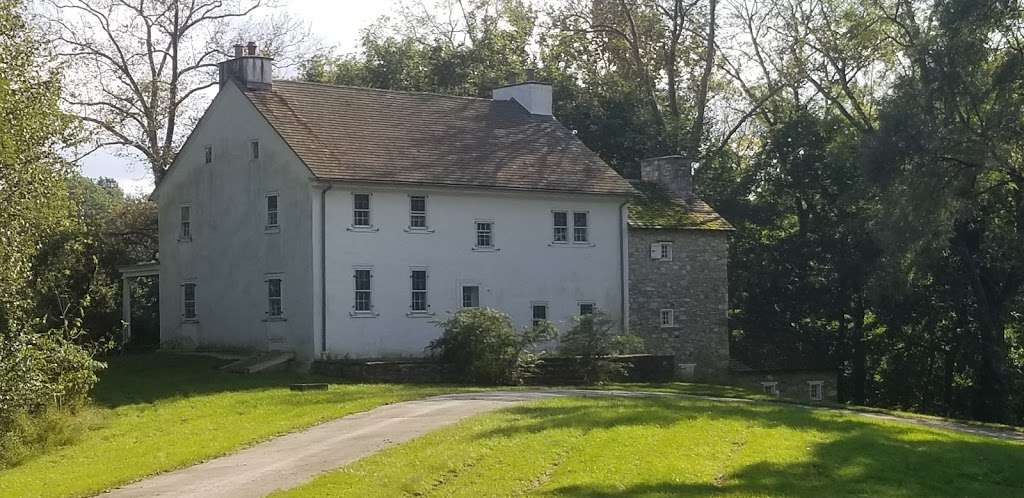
483,346
591,340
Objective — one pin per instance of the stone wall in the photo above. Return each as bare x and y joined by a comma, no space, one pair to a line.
789,384
694,284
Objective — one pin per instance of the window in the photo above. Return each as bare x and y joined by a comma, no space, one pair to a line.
417,211
254,149
364,293
668,318
661,251
561,226
816,390
361,210
579,227
186,223
274,297
419,290
770,388
586,309
272,221
188,301
208,154
540,313
470,296
484,234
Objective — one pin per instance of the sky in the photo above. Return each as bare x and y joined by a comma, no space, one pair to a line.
336,22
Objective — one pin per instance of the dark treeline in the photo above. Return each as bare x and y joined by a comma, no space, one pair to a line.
870,153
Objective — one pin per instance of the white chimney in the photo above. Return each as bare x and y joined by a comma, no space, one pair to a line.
251,71
534,96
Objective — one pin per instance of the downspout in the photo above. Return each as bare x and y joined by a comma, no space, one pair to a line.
623,289
323,269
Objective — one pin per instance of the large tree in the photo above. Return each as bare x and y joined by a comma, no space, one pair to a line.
137,69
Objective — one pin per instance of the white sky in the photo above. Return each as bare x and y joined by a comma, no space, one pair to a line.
336,22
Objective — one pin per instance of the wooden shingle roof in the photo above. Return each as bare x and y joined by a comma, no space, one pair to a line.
367,135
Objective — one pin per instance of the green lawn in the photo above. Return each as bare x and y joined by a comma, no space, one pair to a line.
681,447
157,412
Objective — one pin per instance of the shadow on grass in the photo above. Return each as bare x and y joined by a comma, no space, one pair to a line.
853,457
150,377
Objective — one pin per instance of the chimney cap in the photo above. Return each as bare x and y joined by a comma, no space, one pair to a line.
531,74
250,48
239,49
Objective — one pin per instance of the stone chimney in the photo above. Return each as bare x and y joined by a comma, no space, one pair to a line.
532,95
250,71
673,173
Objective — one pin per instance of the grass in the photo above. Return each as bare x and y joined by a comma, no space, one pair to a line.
604,447
157,412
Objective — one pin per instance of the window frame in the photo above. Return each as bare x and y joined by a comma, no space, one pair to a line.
413,291
269,278
671,317
185,225
462,295
585,228
413,214
816,390
771,388
534,305
369,311
267,226
185,316
581,304
368,210
254,149
555,227
490,235
208,154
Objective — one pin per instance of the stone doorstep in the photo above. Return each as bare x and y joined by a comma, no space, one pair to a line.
259,362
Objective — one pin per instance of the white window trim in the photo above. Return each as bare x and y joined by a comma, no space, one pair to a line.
191,226
587,228
820,384
195,302
567,226
369,212
426,292
774,385
491,248
547,311
268,228
371,313
479,294
426,215
671,318
266,280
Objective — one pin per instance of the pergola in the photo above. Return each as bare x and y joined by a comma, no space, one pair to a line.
128,275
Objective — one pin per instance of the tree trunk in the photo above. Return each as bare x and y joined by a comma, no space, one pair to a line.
859,354
701,100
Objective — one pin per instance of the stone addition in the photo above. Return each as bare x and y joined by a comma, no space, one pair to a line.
678,271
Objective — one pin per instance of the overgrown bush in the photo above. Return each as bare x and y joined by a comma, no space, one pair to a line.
43,377
483,346
591,340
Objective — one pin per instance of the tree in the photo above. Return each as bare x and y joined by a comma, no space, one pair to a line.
138,70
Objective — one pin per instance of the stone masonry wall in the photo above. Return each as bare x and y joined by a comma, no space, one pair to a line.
695,285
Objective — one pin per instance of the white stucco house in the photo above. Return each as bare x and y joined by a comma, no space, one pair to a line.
337,221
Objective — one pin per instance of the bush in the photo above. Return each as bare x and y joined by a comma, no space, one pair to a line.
42,375
483,346
591,340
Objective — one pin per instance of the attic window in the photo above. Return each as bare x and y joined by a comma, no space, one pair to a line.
208,154
668,318
661,251
254,148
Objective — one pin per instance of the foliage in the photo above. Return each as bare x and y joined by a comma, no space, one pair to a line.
483,346
680,447
591,340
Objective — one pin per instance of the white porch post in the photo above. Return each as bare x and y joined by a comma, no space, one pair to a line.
126,310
